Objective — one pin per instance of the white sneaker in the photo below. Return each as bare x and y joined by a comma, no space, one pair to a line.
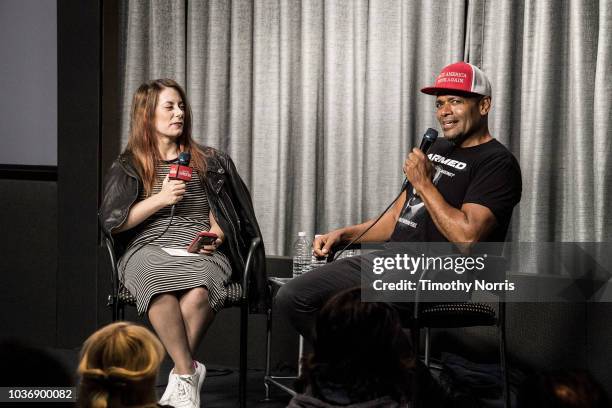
185,395
186,392
172,379
201,371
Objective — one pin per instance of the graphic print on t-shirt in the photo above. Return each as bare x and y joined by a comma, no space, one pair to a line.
414,210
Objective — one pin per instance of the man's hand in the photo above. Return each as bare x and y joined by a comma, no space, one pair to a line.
323,244
418,169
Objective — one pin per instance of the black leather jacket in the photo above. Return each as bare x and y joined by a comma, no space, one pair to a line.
230,202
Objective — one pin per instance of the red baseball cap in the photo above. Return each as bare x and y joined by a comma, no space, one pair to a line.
460,76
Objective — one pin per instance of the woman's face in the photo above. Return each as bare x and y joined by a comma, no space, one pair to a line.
169,114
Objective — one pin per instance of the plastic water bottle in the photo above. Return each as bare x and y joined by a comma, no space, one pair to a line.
316,262
301,255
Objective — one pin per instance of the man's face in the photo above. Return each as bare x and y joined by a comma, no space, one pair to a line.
461,115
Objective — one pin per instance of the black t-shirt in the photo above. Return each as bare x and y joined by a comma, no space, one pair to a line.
486,174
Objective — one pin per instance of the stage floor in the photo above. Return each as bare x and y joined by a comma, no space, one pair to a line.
220,389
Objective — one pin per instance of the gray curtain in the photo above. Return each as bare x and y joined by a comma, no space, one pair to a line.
318,101
549,64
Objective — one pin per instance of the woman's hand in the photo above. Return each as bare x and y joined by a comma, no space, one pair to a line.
172,191
214,227
209,249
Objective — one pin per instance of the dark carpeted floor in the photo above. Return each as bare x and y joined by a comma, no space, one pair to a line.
220,389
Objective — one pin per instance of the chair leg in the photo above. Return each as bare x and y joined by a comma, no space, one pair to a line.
415,333
427,346
244,324
300,355
118,310
504,366
268,353
114,308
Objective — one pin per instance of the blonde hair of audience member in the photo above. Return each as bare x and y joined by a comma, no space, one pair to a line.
118,367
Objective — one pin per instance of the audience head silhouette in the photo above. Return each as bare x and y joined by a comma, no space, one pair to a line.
118,367
360,352
563,389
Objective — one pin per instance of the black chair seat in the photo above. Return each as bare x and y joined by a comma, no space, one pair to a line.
453,315
234,294
126,297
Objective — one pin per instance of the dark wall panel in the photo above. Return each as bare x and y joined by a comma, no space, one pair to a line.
79,95
600,342
548,335
28,265
111,93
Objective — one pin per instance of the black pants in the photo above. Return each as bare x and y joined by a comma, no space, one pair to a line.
301,298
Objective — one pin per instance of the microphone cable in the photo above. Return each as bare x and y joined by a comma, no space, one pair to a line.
143,244
183,159
158,236
428,139
337,254
161,234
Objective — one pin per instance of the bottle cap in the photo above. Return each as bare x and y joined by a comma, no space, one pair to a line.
301,234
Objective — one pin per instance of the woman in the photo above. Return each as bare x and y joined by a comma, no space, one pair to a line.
361,357
118,367
147,213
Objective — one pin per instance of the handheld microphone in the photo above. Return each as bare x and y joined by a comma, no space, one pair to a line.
181,171
429,138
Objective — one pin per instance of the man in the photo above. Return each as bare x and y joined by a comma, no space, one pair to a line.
463,193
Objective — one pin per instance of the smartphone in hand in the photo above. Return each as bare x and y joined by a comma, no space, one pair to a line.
203,238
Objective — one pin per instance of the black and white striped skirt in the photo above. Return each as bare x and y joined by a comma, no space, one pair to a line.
151,271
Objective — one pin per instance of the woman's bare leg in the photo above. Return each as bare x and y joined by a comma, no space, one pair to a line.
166,317
197,315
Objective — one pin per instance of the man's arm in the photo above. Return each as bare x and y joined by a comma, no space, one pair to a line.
468,225
380,232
